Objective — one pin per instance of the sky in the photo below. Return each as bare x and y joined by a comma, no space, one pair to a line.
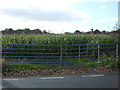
59,16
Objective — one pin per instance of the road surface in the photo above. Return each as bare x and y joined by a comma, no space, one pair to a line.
95,79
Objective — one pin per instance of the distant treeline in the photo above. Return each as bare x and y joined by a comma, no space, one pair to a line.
38,31
23,31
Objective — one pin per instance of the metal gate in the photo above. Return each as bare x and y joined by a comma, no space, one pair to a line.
45,55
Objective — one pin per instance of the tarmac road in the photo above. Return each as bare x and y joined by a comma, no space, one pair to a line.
96,79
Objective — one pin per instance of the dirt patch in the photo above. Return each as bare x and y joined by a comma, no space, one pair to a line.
50,72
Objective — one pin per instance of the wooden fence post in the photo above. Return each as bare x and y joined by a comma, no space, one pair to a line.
87,49
116,52
98,53
61,55
79,52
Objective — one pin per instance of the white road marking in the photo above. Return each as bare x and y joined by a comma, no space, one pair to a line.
51,77
92,75
10,79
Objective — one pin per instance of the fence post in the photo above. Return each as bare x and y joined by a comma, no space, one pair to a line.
98,52
116,52
87,49
79,52
61,55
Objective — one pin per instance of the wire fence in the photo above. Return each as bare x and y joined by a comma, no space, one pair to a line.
45,55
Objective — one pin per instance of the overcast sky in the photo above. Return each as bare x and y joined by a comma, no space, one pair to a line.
59,16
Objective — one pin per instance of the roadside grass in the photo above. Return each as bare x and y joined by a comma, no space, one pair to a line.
103,62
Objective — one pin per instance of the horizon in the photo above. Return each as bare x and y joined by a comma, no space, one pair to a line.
59,16
58,33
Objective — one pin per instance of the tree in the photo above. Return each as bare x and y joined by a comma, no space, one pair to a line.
8,31
103,32
36,31
97,31
77,32
27,31
67,33
92,30
19,31
44,32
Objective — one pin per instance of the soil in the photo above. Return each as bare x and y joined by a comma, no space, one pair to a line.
50,72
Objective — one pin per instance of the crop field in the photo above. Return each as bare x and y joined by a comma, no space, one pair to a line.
40,55
58,39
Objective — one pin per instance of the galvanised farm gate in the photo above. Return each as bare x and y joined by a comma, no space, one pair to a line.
45,55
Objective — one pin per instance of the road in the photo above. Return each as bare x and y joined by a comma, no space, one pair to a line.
95,79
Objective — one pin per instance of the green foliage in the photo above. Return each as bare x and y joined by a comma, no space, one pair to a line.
108,62
105,60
